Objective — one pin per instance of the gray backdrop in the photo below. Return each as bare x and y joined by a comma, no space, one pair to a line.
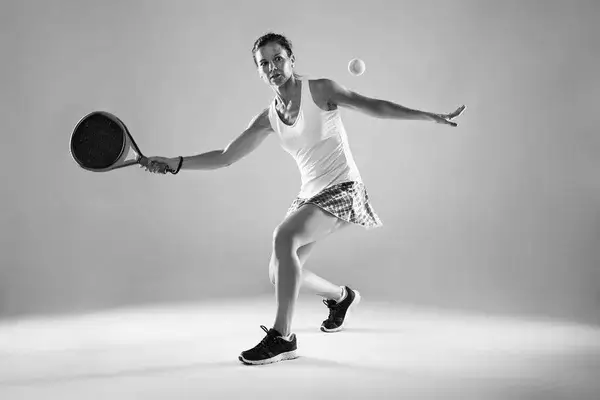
499,215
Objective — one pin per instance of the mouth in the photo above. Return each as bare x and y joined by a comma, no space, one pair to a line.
275,76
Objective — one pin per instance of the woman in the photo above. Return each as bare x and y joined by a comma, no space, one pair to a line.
305,116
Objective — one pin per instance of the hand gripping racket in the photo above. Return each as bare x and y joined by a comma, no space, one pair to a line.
101,142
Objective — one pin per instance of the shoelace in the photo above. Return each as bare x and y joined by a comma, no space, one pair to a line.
268,338
332,305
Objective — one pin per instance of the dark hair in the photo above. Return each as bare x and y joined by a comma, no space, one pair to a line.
271,38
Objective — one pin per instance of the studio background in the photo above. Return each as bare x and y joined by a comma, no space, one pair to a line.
499,215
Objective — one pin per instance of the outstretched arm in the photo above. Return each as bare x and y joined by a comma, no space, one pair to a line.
341,96
248,141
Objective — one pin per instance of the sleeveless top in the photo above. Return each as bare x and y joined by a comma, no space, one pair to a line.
318,143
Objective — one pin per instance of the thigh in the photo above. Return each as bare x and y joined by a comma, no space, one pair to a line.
308,225
329,225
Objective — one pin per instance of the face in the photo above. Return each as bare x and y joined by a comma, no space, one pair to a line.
275,66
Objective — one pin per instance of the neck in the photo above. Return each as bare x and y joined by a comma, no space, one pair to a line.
286,91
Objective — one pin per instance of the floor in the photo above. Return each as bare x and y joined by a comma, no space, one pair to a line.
189,351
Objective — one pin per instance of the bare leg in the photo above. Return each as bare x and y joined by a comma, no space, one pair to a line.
320,286
309,280
307,225
287,284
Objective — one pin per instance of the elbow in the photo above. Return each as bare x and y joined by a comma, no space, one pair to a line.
226,160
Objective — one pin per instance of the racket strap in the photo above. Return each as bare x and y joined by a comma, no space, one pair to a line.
179,166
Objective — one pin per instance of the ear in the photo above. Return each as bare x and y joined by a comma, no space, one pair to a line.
293,59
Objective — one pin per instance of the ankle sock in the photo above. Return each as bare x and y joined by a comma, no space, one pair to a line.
343,295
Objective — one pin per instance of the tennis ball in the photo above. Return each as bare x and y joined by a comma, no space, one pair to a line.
356,66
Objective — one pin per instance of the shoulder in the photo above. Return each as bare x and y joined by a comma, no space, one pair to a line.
338,95
261,120
322,85
324,91
329,90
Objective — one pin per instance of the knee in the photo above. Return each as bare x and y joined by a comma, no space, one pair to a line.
284,241
285,248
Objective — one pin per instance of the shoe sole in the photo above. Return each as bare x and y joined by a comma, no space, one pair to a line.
348,312
290,355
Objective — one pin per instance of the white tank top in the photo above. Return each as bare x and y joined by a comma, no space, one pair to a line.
318,142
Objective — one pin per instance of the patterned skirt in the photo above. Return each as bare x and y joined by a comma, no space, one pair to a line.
349,201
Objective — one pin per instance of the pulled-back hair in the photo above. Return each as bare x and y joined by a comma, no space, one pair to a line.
271,38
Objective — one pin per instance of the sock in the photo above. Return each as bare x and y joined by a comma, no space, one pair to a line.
343,295
288,337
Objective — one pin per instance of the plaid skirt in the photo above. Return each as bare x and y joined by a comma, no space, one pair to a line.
349,201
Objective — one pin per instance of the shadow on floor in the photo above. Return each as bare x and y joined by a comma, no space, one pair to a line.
299,363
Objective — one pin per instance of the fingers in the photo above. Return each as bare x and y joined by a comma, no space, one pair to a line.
457,112
447,118
162,168
155,167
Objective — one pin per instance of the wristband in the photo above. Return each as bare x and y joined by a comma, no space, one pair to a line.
179,166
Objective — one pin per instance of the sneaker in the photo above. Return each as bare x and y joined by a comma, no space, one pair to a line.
272,348
338,312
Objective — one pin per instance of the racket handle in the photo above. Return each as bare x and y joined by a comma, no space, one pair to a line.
143,161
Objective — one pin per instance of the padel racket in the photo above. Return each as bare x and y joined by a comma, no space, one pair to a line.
101,142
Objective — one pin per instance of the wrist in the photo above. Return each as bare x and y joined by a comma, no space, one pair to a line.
428,116
175,164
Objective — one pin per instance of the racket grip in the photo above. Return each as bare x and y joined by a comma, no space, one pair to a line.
143,161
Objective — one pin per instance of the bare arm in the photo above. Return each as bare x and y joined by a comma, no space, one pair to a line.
341,96
257,131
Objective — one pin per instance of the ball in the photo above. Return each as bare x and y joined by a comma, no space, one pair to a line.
356,66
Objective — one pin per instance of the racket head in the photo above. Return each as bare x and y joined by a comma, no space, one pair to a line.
99,141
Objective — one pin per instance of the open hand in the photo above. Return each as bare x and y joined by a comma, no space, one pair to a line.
447,118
